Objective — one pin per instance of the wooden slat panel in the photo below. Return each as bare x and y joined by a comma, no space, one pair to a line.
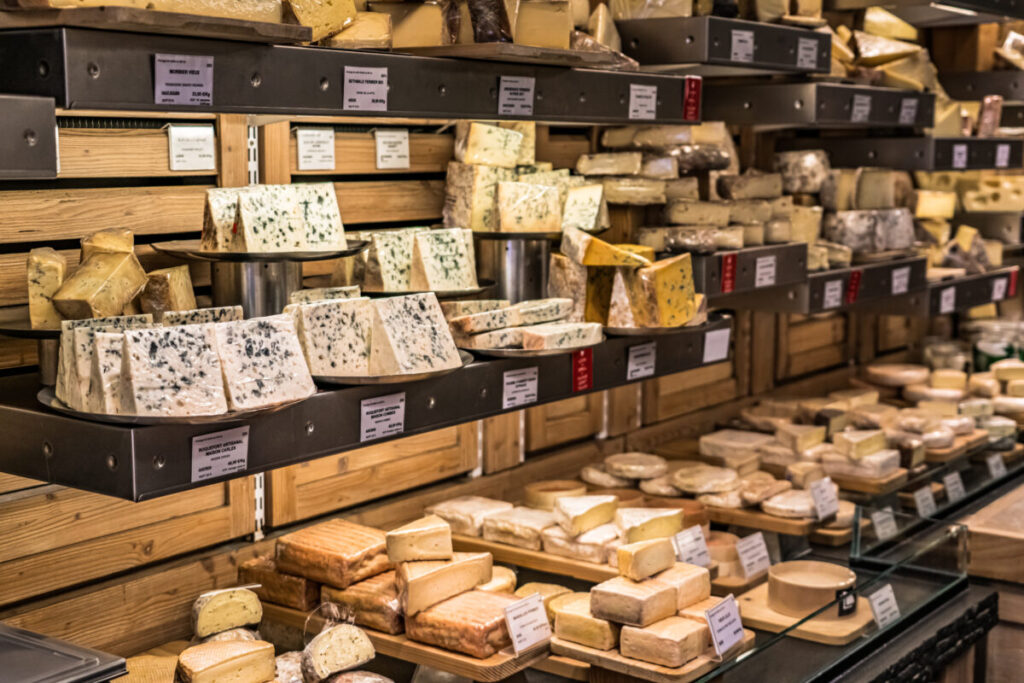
382,201
116,153
562,422
657,408
233,148
689,380
16,353
814,334
503,446
273,139
9,482
356,154
816,359
624,413
560,150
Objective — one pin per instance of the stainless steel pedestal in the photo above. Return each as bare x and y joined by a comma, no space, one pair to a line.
519,267
259,287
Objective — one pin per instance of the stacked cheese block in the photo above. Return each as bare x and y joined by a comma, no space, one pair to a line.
533,325
109,281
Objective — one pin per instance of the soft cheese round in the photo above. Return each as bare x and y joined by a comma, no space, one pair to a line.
541,494
896,374
636,465
923,392
707,479
596,475
660,486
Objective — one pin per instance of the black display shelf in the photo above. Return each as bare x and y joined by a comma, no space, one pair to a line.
919,153
28,138
974,85
952,295
727,275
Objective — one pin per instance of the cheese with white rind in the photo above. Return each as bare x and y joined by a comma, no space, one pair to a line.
643,559
855,397
856,444
671,642
226,660
610,163
590,546
600,477
802,171
706,479
46,271
336,648
520,527
503,580
541,495
635,465
579,514
225,609
794,504
644,524
1008,405
692,583
424,584
800,437
428,538
924,392
732,443
998,427
1008,369
896,374
466,514
874,466
576,623
638,603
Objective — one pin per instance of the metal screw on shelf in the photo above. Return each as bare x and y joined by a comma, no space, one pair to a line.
43,69
111,462
158,462
256,80
325,84
483,392
31,138
47,450
94,69
431,403
442,90
310,428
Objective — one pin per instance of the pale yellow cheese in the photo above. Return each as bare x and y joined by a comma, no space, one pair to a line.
638,603
934,204
424,26
544,23
270,11
424,584
602,28
642,524
692,583
325,17
881,22
1015,387
369,30
578,514
503,580
855,397
429,538
671,642
856,444
643,559
948,379
940,407
480,143
800,437
1009,369
225,661
110,241
588,250
221,610
46,271
576,623
547,591
100,287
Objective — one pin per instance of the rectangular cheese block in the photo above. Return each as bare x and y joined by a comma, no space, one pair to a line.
409,334
576,623
610,163
167,289
934,204
101,286
471,195
749,210
424,26
577,514
428,538
325,17
642,524
320,215
561,335
875,466
269,220
750,185
671,642
226,660
638,603
633,191
799,437
441,261
277,587
856,444
690,212
262,362
1007,370
337,553
544,23
663,167
948,379
582,207
940,407
426,583
374,602
480,143
525,207
457,309
682,188
222,610
46,271
644,559
866,232
590,546
369,30
588,250
805,223
472,623
520,526
466,514
692,583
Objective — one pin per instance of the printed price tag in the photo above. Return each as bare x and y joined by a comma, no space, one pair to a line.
527,623
643,101
716,345
860,112
807,53
901,280
742,46
833,294
826,502
996,466
692,547
191,148
764,271
954,487
753,555
315,148
853,287
924,501
381,416
728,273
515,95
392,147
1002,155
640,361
220,453
960,156
908,111
885,524
884,606
947,300
999,289
520,388
366,88
725,624
583,370
183,79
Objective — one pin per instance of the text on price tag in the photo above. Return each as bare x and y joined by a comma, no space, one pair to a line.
999,288
725,625
527,623
392,146
583,370
996,465
947,300
641,361
692,547
742,46
764,271
908,111
901,280
381,416
885,524
959,156
860,112
315,148
924,501
643,101
833,294
954,487
1002,155
183,80
807,53
753,555
716,345
884,606
826,502
516,95
519,388
220,453
191,148
365,88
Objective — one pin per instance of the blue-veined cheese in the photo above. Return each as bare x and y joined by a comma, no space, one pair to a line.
561,335
441,261
480,143
568,279
46,271
219,219
588,250
471,195
457,309
100,287
269,220
305,296
582,207
524,313
410,335
483,322
524,207
200,316
172,371
72,386
335,335
528,146
506,338
321,217
105,374
262,362
389,261
559,179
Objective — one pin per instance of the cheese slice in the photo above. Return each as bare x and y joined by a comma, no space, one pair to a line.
429,538
409,335
46,271
642,559
471,195
576,623
578,514
671,642
520,527
201,316
641,524
692,583
441,261
525,207
547,591
503,580
424,584
221,610
227,660
457,309
336,648
638,603
466,514
856,444
561,335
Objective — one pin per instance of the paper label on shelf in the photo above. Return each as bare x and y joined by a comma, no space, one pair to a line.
315,147
826,502
519,388
716,345
183,80
692,547
725,624
753,555
924,501
996,465
392,147
954,487
643,101
1002,155
366,88
220,453
515,95
742,46
885,524
908,111
901,280
764,271
527,623
960,156
806,53
381,416
999,289
191,148
947,300
860,112
641,360
833,294
884,606
583,370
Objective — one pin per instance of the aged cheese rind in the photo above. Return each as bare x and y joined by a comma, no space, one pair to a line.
575,622
547,591
692,583
638,603
336,648
424,584
428,538
472,623
373,602
503,580
226,660
689,212
750,186
278,587
520,527
641,524
590,546
633,190
221,610
671,642
871,231
46,271
337,553
802,171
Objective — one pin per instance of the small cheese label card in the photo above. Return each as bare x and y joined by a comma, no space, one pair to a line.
753,555
807,53
315,148
908,111
901,280
954,487
640,361
527,623
960,156
924,500
515,95
826,502
192,148
847,602
947,300
220,453
392,148
884,606
381,416
996,465
692,547
860,112
725,624
519,388
643,101
742,46
1002,155
833,294
999,289
583,370
885,524
716,345
764,271
365,88
183,80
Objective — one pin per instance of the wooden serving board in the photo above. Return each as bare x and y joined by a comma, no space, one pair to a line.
735,585
755,519
523,54
834,537
961,445
907,497
497,667
613,661
565,667
825,629
873,485
1009,457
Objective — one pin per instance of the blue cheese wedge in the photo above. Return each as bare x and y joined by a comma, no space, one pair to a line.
568,279
201,316
76,355
508,338
269,220
541,311
528,147
219,219
321,218
582,207
480,143
441,261
561,335
304,296
484,321
172,371
389,261
471,196
457,309
524,207
335,336
105,374
410,335
560,179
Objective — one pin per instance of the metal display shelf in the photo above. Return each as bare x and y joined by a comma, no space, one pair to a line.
716,46
951,296
930,14
28,138
146,462
725,275
919,153
973,85
92,69
1013,115
817,104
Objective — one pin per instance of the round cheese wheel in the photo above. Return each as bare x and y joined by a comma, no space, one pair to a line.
1006,369
541,494
941,437
707,479
960,425
923,392
628,498
660,486
983,384
896,374
503,580
722,547
844,518
636,465
596,476
694,512
1008,405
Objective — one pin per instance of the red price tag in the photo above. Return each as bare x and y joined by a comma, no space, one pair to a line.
1013,282
691,98
853,287
583,370
728,273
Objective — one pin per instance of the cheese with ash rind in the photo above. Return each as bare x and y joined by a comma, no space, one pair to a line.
802,171
590,546
637,603
225,609
576,623
644,524
424,584
579,514
871,231
520,527
643,559
671,642
409,335
466,514
428,538
749,210
102,286
750,185
336,648
226,660
46,271
480,143
561,335
635,465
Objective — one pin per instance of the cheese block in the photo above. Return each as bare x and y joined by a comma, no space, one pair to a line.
874,466
219,215
233,634
659,295
524,313
983,384
466,514
697,612
682,188
576,623
732,443
817,257
659,167
508,338
335,336
641,524
998,427
503,580
77,345
578,514
541,495
46,271
839,255
520,527
226,660
883,188
1015,387
671,642
561,335
337,553
872,416
336,648
262,362
424,584
568,279
373,602
441,261
689,212
201,316
306,296
777,231
750,185
590,546
618,137
705,479
1008,369
805,224
934,204
104,379
110,241
856,444
1008,405
472,623
428,538
880,22
875,50
547,591
976,407
269,219
480,143
803,474
692,583
638,603
588,250
660,486
800,437
409,335
749,210
544,23
221,610
528,147
275,586
642,559
635,465
602,28
369,30
389,261
855,397
471,195
525,207
802,171
923,392
948,379
457,309
896,374
633,191
793,504
871,231
101,286
582,207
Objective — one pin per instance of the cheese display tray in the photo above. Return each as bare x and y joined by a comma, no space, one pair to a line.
872,485
645,331
523,54
466,357
824,629
755,519
532,353
21,328
190,250
882,256
483,284
48,399
961,445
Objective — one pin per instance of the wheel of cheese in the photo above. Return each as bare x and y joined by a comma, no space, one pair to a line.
896,374
923,392
628,498
660,486
844,518
595,475
636,465
722,546
1008,405
708,479
541,494
960,425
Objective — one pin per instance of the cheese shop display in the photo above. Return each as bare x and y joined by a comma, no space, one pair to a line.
418,259
537,325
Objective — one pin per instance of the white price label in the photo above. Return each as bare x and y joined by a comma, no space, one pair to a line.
742,46
220,453
641,361
901,280
527,623
908,111
833,294
924,501
954,487
315,147
183,79
1002,155
392,147
725,624
885,524
996,465
365,89
999,289
692,547
753,555
960,156
716,345
860,112
884,606
520,388
381,416
764,271
807,53
643,101
191,148
515,95
826,502
947,300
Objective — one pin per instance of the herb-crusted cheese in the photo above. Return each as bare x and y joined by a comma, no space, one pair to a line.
582,207
305,296
200,316
269,220
46,271
318,206
561,335
219,219
389,261
441,262
480,143
262,362
335,336
410,335
471,196
524,207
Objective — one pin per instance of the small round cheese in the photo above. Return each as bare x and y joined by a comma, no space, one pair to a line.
1008,405
707,479
541,494
844,518
923,392
896,374
660,486
596,475
636,465
959,425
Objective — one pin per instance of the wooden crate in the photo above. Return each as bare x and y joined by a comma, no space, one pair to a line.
503,441
562,422
690,391
807,344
